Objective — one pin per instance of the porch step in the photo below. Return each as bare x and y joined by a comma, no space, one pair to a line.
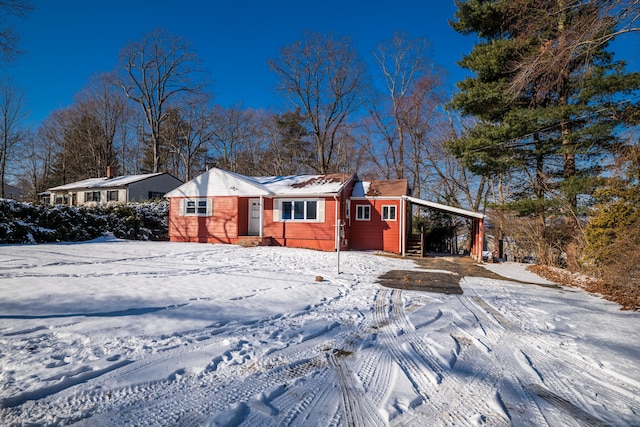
413,248
253,241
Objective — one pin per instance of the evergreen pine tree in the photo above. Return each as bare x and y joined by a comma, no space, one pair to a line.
552,136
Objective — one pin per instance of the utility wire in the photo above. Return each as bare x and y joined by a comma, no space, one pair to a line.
547,129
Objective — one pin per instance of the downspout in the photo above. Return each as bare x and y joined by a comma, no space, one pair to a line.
481,237
335,198
337,234
403,222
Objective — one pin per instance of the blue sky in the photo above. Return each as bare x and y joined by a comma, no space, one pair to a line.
68,41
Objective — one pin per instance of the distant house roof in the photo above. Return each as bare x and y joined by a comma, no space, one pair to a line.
387,188
218,182
119,181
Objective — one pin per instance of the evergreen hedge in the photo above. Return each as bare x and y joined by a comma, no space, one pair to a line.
28,223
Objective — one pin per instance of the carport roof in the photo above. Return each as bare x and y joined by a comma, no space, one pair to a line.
444,208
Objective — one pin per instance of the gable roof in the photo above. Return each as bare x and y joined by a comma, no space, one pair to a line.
218,182
119,181
377,188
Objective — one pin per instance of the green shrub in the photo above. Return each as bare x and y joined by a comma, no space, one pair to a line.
27,223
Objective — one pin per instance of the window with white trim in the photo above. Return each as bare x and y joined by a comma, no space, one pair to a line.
303,210
197,207
92,196
363,212
388,212
299,210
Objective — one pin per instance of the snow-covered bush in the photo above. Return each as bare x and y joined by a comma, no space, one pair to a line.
138,221
28,223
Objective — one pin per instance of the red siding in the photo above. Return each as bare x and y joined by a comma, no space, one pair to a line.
230,220
221,227
375,234
311,235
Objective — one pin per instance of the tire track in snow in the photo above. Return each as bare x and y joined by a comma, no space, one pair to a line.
301,408
423,382
550,387
101,394
357,409
202,397
223,376
558,389
495,343
375,373
453,401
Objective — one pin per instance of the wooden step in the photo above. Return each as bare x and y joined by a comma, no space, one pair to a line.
253,241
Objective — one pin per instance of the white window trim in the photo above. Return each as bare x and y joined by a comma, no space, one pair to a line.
395,212
320,214
91,199
196,200
117,193
364,207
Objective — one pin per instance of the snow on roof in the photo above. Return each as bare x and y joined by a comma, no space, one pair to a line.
104,182
304,184
386,188
218,182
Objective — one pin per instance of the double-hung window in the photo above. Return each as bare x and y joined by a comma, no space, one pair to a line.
92,196
363,212
389,213
112,195
301,210
197,207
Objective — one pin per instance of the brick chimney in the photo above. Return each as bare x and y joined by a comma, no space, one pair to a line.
109,174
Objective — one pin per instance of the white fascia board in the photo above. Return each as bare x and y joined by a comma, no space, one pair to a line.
445,208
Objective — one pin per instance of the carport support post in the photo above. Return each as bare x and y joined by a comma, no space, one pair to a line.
478,238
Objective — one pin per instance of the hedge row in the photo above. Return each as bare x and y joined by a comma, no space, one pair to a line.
27,223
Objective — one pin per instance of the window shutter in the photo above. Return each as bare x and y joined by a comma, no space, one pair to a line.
276,210
209,207
183,207
321,210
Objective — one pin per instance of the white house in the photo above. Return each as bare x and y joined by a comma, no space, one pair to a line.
127,188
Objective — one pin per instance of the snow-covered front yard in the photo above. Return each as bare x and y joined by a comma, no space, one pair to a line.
114,332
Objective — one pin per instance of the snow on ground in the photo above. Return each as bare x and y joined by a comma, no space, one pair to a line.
140,333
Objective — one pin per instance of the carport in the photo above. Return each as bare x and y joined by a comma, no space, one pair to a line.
477,223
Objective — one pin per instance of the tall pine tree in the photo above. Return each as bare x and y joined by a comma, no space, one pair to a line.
549,129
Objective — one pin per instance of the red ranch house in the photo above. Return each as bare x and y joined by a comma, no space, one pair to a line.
306,211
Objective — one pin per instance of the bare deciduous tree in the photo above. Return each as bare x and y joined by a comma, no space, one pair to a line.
102,100
403,62
575,31
8,36
189,133
235,130
157,70
325,78
12,112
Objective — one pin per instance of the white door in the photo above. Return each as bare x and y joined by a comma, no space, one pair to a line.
254,217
